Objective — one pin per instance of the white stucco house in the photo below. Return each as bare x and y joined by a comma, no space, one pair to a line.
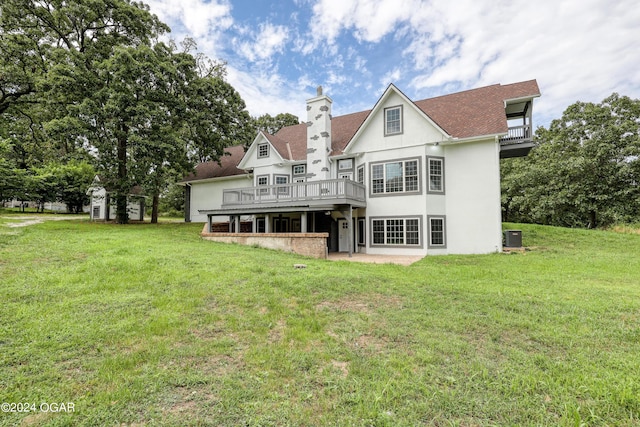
406,177
103,207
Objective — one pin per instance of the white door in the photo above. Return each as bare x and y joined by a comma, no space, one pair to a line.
343,235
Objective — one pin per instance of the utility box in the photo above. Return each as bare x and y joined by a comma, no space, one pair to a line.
513,238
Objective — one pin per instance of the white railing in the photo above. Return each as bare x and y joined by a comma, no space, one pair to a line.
517,134
295,192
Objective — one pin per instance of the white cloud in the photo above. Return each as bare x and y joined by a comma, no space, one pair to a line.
270,93
576,49
370,20
269,39
392,76
200,19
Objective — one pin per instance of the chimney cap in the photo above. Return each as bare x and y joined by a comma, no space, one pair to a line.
319,90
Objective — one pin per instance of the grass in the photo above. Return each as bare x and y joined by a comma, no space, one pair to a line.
149,325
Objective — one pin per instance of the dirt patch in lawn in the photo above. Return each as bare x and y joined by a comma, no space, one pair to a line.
366,303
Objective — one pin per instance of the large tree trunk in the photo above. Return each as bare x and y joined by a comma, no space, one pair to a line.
122,187
154,207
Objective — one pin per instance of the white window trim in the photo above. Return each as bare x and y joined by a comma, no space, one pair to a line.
362,232
442,183
396,245
430,244
262,191
396,193
386,121
263,144
282,190
343,162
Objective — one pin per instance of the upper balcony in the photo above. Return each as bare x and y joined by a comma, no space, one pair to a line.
312,193
517,143
519,139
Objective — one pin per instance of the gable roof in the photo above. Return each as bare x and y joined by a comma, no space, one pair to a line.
467,114
228,166
475,112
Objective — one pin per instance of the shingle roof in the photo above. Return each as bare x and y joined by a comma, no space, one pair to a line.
475,112
228,166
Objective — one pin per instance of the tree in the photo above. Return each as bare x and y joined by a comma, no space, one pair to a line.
584,171
216,115
142,111
272,125
69,38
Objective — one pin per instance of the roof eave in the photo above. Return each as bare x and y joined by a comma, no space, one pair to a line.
215,179
492,136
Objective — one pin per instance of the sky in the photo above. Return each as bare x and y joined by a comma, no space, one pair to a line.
278,52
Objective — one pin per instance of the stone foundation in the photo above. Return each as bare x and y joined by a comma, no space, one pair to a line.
307,244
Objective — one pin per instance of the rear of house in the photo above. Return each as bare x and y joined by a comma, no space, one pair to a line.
404,178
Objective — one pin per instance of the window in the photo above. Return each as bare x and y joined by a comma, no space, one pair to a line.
437,234
282,179
393,120
345,164
396,232
360,172
263,180
299,169
395,177
435,171
263,150
361,231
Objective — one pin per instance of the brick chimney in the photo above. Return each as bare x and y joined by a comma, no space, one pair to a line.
318,136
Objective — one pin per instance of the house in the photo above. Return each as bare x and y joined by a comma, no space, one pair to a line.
406,177
103,206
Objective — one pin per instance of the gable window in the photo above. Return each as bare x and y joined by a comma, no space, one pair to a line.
395,177
393,120
437,232
395,232
263,150
435,166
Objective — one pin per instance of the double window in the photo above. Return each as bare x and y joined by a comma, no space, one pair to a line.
395,232
393,120
395,177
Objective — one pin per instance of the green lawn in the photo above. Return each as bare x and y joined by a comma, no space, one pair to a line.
149,325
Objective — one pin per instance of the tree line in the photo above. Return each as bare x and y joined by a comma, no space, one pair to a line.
88,86
584,170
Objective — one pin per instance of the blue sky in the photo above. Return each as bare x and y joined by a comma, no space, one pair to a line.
278,52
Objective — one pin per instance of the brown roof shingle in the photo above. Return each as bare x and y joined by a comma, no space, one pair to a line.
228,166
475,112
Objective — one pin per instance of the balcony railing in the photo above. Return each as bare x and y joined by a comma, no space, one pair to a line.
517,134
336,190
